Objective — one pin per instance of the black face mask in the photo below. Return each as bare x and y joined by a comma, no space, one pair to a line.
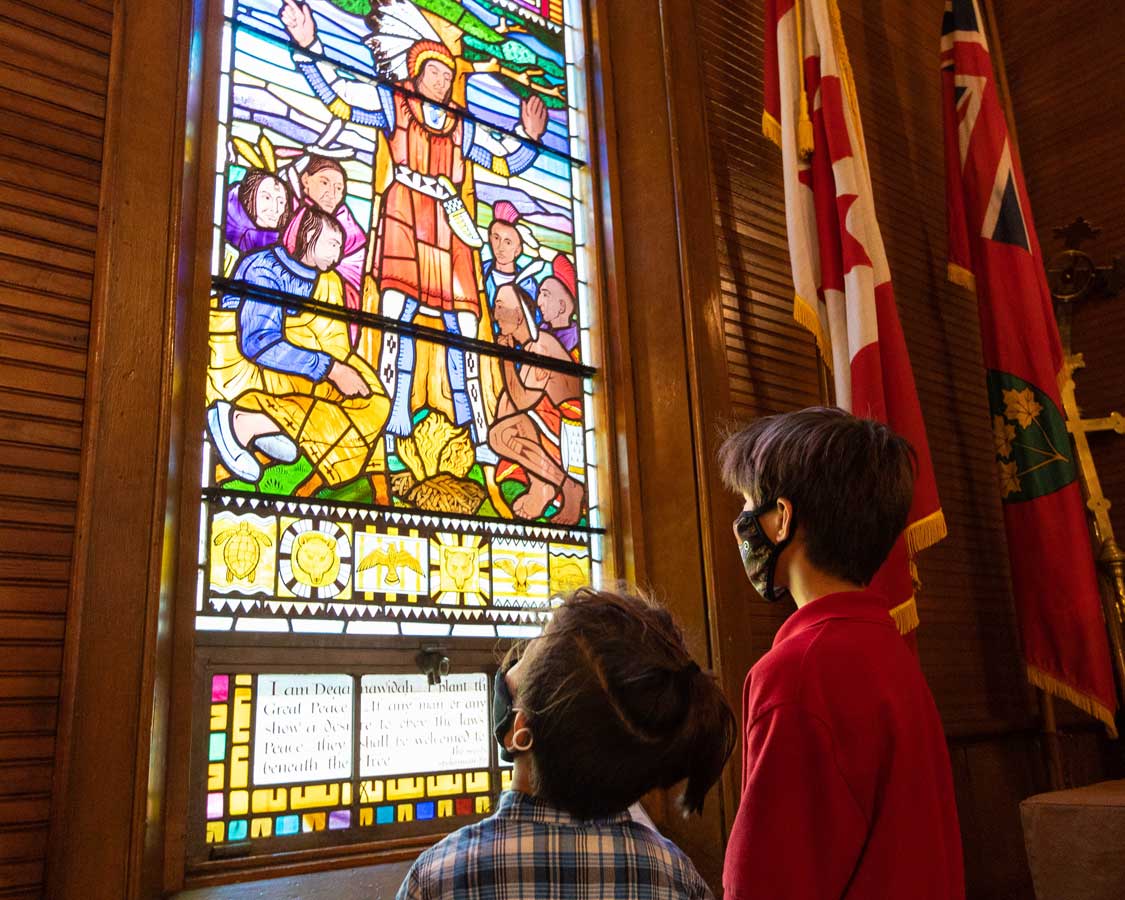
759,553
503,712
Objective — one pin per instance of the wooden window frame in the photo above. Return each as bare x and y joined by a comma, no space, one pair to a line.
262,652
126,678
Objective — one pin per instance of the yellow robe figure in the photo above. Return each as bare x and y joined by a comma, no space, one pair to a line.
341,436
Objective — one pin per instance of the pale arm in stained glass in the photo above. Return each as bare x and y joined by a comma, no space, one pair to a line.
350,99
502,154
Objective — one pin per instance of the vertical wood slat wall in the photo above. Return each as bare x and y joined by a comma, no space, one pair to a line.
1064,87
968,641
54,60
771,360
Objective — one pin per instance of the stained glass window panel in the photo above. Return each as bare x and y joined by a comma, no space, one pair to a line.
409,725
280,753
402,394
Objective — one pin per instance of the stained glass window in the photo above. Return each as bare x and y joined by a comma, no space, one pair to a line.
296,754
401,405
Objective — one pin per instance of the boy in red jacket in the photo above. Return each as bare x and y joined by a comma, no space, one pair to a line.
846,784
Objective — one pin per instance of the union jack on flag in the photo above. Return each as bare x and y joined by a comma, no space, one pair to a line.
993,250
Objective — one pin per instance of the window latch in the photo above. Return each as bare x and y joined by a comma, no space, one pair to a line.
433,663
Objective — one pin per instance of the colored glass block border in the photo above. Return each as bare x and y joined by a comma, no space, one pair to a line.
306,566
236,809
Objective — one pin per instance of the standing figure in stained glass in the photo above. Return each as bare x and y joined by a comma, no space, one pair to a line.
289,380
508,239
322,184
424,261
539,418
556,303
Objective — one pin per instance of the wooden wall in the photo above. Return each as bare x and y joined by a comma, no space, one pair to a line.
1064,87
54,61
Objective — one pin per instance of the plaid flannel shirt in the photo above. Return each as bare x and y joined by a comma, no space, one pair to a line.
528,850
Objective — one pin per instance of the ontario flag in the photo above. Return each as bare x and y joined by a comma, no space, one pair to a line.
993,250
843,292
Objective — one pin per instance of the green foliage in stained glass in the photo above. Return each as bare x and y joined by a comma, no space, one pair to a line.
548,36
455,14
354,492
276,479
353,7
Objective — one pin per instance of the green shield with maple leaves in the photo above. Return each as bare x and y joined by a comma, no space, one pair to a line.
1033,449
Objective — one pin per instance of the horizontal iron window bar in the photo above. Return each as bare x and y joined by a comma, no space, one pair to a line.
231,287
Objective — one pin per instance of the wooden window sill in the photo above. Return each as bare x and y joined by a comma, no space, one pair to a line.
375,882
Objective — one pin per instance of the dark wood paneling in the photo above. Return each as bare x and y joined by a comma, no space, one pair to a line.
53,85
651,291
771,361
1064,88
990,776
968,641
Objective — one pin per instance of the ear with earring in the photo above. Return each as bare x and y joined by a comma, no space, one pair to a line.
522,740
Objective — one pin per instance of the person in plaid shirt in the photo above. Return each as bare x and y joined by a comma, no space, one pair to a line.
603,707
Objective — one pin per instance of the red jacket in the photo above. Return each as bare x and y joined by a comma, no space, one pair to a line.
846,784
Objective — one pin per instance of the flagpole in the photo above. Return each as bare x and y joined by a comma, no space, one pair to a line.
1051,742
827,389
1066,292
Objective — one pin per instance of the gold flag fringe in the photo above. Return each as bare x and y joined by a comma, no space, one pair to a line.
906,616
1064,691
771,128
804,132
961,276
926,532
806,316
804,123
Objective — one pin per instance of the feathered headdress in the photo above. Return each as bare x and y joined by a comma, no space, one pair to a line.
505,211
260,157
397,28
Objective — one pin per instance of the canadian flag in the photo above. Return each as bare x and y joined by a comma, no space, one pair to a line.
842,282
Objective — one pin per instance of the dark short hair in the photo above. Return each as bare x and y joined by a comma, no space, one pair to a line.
319,163
850,481
311,223
617,707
